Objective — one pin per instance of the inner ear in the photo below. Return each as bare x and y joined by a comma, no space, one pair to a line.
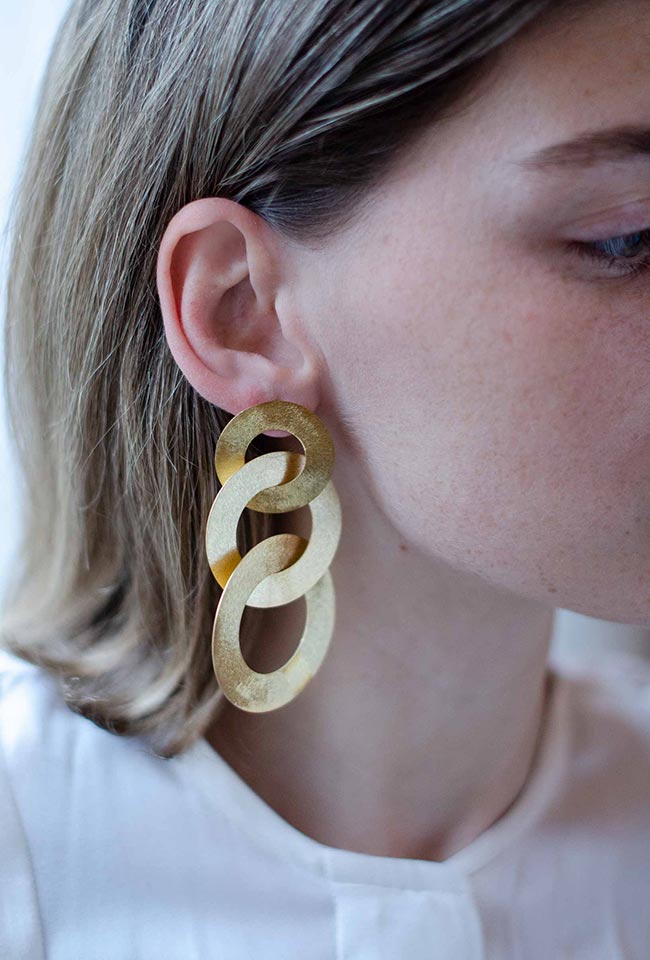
213,292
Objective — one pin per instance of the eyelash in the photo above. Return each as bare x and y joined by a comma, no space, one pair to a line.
591,251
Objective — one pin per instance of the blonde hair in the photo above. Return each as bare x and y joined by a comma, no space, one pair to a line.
293,108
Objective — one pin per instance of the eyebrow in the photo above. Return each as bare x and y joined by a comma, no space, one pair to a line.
626,142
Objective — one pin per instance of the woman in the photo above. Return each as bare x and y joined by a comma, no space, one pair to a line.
424,228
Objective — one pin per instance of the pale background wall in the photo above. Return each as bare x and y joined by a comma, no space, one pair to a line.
26,31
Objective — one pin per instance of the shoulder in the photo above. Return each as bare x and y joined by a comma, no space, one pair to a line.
21,934
25,691
74,798
614,686
607,737
39,733
49,748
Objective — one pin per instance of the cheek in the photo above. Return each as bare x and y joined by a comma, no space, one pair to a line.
496,433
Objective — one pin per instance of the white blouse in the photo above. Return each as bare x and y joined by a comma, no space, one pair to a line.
111,853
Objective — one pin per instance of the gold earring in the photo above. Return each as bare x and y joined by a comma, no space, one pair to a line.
282,567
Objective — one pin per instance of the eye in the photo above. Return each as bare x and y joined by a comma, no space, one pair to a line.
626,255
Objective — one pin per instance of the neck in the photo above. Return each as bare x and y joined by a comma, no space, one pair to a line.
420,728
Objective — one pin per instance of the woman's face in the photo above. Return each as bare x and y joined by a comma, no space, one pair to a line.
496,380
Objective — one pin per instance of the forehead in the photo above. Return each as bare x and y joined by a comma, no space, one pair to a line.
565,74
570,72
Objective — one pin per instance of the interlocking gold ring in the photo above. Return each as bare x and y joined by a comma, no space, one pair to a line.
282,567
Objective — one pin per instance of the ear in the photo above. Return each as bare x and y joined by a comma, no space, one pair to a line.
225,311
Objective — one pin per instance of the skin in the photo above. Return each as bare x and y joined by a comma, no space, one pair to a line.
487,392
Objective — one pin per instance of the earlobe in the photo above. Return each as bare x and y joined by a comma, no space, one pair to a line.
217,278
